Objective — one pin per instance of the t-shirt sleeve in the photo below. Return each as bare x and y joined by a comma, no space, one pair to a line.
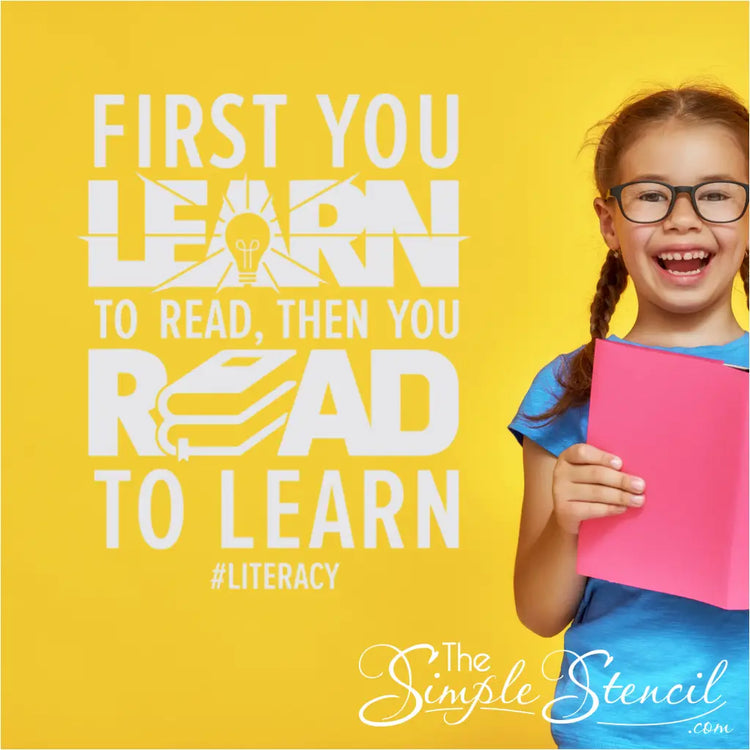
557,434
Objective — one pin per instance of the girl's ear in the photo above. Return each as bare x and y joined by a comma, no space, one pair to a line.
605,211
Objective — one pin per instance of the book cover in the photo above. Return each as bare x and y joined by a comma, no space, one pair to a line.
680,423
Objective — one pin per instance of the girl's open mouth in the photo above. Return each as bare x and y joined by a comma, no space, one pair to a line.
684,264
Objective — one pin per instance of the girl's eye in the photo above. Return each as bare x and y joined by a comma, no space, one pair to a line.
714,196
652,196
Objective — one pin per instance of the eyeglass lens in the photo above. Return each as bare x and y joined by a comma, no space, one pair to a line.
716,201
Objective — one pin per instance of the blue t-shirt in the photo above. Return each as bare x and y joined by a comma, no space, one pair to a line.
654,641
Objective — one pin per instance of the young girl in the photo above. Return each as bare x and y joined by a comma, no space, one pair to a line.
672,170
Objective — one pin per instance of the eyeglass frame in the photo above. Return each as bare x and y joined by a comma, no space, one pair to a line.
616,193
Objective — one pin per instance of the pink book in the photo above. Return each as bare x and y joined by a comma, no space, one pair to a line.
681,423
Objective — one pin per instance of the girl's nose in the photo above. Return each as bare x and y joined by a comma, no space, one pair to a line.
683,214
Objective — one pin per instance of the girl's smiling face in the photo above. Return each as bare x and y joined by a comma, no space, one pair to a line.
679,154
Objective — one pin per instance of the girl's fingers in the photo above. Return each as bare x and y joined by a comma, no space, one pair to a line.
597,493
601,475
583,453
599,510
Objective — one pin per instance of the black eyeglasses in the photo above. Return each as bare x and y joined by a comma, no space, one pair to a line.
647,202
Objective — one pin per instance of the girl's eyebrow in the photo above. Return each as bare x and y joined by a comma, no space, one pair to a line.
706,178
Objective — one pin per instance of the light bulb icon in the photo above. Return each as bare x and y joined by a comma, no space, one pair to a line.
247,236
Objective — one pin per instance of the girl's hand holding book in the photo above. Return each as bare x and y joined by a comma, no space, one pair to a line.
588,483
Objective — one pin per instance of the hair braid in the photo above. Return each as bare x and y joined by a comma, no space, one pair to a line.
613,279
576,377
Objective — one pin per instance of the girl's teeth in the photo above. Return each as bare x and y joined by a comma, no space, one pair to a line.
684,256
686,273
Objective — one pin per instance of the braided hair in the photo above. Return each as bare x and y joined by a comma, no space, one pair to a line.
690,104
